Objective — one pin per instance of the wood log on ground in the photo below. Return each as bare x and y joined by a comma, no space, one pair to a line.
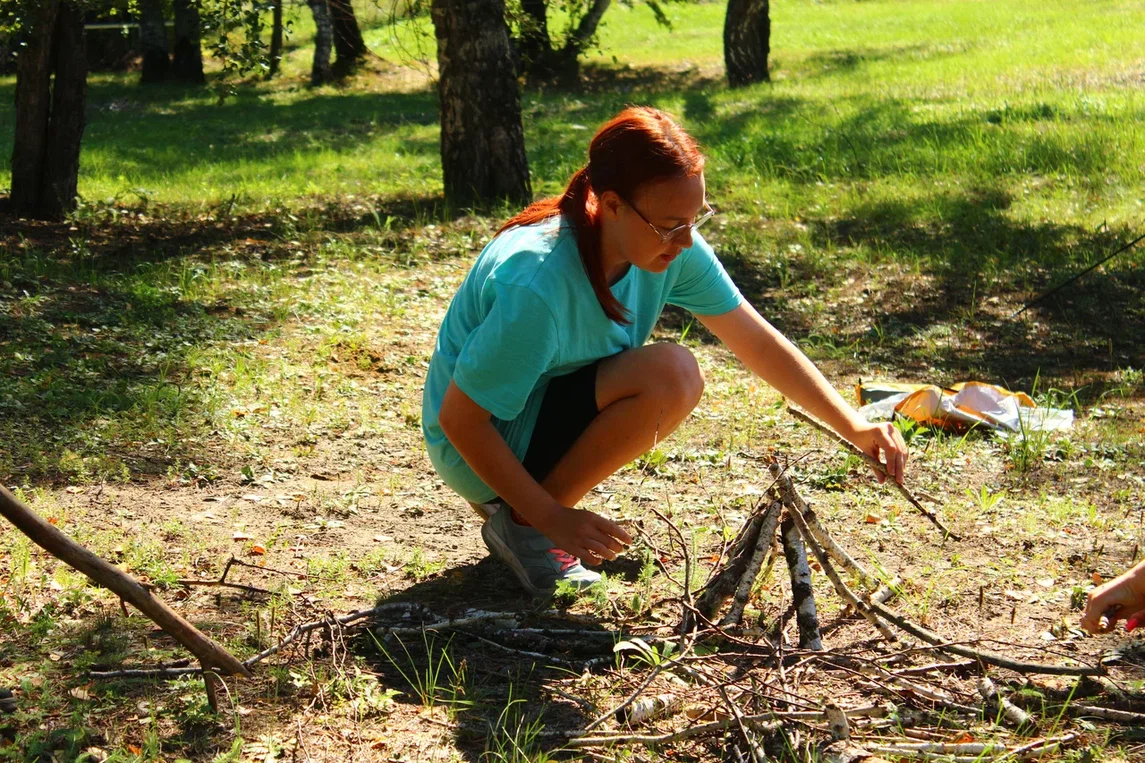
51,539
1001,707
791,499
723,583
801,591
765,539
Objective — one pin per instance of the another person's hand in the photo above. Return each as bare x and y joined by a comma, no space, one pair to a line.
883,442
587,536
1122,598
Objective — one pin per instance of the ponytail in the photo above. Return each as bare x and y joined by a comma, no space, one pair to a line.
574,205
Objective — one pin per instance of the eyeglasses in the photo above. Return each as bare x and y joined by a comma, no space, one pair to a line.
680,231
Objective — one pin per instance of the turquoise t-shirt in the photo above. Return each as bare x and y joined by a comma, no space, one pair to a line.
527,313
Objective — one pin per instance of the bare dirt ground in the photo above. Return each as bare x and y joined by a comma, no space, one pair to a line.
336,509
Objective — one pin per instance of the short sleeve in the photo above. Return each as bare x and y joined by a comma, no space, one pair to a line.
702,286
504,357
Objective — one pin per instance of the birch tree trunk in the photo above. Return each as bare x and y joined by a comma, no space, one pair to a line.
153,39
187,64
747,41
51,94
321,72
275,38
482,140
349,47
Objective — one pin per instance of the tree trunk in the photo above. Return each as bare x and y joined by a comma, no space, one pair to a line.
482,140
66,126
747,41
543,63
33,110
49,114
153,40
349,47
321,73
188,60
275,39
535,47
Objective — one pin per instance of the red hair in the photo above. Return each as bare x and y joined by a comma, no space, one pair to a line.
639,145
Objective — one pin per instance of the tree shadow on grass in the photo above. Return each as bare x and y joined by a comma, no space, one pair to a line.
976,265
151,134
92,379
828,63
497,677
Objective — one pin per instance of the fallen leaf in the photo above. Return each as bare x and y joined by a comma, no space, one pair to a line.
73,489
1096,578
257,550
240,536
55,656
382,539
53,521
1045,582
79,693
252,498
872,519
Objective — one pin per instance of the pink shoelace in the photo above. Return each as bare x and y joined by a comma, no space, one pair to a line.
564,558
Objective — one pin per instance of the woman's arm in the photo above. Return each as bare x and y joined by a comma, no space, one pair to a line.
773,358
470,429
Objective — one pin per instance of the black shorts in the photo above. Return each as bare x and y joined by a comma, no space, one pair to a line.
568,408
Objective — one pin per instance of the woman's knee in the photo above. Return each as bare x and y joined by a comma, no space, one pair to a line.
665,373
677,376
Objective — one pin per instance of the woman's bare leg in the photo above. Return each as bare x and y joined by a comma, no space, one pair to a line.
642,395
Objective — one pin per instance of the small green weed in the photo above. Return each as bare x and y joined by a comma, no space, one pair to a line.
419,568
514,737
984,499
439,680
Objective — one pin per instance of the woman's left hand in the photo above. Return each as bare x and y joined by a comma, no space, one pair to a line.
882,442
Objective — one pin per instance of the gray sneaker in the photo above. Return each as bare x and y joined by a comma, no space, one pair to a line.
531,556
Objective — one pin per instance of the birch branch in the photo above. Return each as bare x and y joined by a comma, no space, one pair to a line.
763,545
801,591
981,655
1002,706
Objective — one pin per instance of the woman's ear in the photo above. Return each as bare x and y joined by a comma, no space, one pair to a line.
610,203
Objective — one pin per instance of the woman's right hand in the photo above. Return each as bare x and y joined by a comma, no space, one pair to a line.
587,536
1122,598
